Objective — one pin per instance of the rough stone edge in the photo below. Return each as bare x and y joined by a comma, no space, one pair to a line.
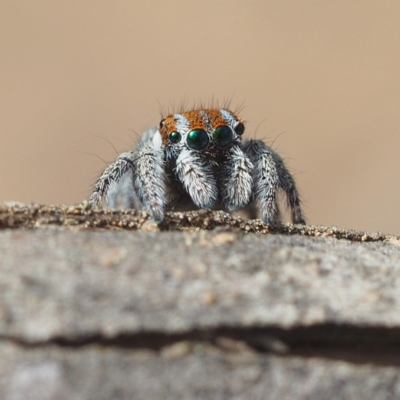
85,217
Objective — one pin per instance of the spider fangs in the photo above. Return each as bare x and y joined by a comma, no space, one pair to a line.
198,159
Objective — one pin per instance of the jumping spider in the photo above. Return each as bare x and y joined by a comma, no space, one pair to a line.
197,159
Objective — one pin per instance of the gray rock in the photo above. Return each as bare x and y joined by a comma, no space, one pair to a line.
224,314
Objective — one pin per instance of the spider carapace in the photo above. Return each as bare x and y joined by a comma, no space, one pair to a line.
198,159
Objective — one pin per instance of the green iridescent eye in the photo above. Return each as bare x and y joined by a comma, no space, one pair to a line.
175,137
222,136
239,129
197,139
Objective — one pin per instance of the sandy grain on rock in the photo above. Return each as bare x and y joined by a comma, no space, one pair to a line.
85,217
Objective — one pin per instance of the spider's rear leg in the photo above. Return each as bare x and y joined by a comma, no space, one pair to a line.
270,174
288,185
108,182
236,179
197,178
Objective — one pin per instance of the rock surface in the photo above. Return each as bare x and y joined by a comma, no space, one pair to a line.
223,314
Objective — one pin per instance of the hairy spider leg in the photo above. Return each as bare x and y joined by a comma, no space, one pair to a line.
149,179
197,178
145,166
111,176
288,185
236,179
270,174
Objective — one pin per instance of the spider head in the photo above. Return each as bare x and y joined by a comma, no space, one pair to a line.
201,129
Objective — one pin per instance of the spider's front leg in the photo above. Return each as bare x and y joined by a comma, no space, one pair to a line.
197,178
149,179
270,174
236,179
145,169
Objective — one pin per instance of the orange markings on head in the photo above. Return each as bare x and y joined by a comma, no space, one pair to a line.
195,119
215,117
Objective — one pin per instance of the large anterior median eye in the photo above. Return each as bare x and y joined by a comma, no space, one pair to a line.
197,139
222,136
175,137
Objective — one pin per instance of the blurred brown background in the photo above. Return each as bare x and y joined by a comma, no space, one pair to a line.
321,78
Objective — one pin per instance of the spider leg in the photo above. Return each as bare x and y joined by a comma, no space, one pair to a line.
236,179
270,174
123,196
197,178
111,177
289,186
149,180
138,176
265,179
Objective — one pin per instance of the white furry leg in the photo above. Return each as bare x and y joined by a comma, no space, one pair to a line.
149,180
236,179
122,168
288,185
270,174
265,178
197,178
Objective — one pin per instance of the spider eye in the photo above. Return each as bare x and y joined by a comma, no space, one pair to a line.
175,137
239,129
197,139
222,136
162,122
